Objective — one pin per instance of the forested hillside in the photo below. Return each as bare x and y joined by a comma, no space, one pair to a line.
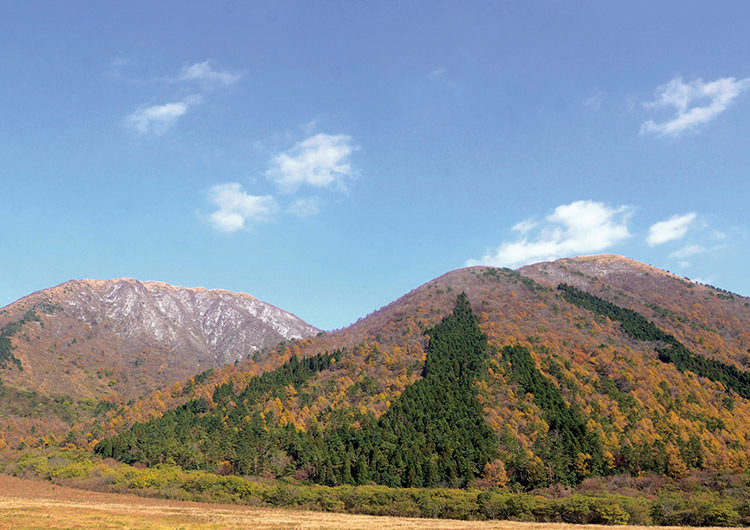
571,383
562,371
71,352
433,433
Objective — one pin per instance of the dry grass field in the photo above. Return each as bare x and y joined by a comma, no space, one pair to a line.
32,504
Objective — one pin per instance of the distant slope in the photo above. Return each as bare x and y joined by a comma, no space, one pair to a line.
94,338
559,374
710,320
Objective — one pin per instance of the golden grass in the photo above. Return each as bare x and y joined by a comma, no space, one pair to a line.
32,504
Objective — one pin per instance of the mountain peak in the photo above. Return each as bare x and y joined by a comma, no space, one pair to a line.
151,285
150,332
594,267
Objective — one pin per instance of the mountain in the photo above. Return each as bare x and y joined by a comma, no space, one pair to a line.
591,366
88,341
709,320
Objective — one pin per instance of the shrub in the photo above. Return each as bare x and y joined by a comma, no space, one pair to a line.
639,510
242,488
286,495
520,507
493,505
722,514
156,478
73,470
199,482
669,509
576,509
327,499
460,505
610,513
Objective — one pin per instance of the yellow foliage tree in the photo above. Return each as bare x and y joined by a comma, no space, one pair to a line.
494,474
676,468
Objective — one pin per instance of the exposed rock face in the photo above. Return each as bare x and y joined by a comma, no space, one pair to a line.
610,268
221,325
116,331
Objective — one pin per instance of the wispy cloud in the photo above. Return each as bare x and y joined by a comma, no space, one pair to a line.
440,71
204,74
581,227
305,207
525,226
695,103
687,251
595,100
320,161
158,119
236,208
672,229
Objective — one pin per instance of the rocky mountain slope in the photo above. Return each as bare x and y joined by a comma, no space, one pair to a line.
118,339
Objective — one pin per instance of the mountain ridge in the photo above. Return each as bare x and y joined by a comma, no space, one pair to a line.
639,409
647,412
135,329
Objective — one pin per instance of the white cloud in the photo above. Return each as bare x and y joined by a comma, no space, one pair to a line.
158,119
204,74
236,208
686,252
672,229
695,103
319,161
581,227
525,226
305,207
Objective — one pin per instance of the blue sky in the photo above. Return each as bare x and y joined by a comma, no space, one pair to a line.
328,157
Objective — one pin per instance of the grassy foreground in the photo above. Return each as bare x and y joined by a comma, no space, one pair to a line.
711,500
35,504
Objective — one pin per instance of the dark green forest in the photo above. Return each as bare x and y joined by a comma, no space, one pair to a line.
6,346
669,348
433,434
567,448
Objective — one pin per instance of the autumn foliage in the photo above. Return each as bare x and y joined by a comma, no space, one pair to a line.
590,387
